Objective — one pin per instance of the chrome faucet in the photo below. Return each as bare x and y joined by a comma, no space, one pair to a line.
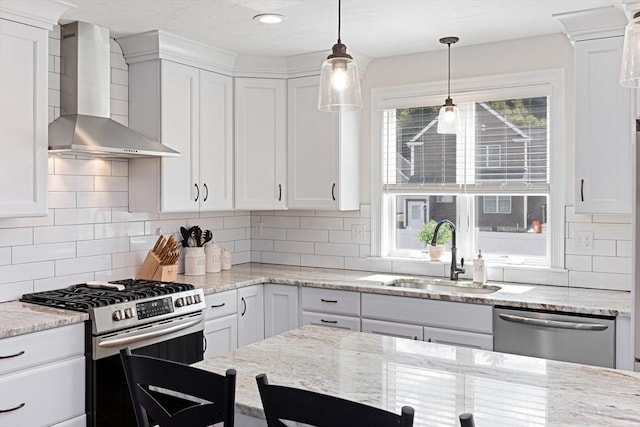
455,271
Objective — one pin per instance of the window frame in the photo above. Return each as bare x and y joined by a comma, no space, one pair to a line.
497,201
536,83
485,157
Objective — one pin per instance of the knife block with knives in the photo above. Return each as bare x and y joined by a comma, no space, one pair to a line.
160,263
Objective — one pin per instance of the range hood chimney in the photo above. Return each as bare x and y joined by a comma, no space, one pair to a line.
85,126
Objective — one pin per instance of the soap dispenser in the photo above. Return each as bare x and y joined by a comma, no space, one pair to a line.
479,269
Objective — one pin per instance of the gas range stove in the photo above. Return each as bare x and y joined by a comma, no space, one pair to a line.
123,304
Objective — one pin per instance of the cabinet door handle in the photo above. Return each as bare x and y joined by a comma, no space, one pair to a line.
244,307
204,344
279,192
9,356
557,324
12,409
333,322
333,191
197,192
206,194
218,305
334,301
582,190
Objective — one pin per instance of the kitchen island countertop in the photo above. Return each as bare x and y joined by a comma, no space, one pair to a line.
438,381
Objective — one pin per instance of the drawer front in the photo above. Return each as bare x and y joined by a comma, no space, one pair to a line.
24,351
45,395
439,314
391,329
459,338
331,301
331,320
221,304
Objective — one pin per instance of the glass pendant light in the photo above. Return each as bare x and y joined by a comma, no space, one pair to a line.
630,70
448,116
339,81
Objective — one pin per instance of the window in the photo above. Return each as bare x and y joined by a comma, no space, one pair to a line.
492,175
497,204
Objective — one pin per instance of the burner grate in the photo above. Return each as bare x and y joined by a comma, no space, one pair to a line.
82,297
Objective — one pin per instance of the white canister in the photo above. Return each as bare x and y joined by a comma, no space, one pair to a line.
194,261
226,259
213,254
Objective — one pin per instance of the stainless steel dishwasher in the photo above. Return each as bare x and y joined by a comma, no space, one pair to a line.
579,339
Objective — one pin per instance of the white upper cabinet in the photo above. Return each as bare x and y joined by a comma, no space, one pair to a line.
323,152
23,119
260,143
604,129
189,110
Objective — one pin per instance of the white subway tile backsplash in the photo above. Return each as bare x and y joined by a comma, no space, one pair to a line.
612,219
578,262
307,235
142,243
16,236
262,245
28,271
611,265
82,166
240,257
256,256
119,107
293,247
57,64
237,221
281,222
123,215
367,264
39,221
70,183
600,247
116,274
103,199
322,223
66,267
542,276
123,120
323,261
623,248
582,279
341,214
119,77
293,213
54,97
128,259
122,229
82,216
62,233
349,222
54,80
280,258
5,255
13,291
54,46
120,168
164,227
572,216
111,183
419,267
61,281
44,252
103,246
339,249
117,60
269,233
243,245
603,231
230,234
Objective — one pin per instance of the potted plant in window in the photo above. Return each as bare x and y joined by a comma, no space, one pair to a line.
426,235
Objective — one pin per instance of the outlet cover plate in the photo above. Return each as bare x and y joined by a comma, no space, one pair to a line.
583,240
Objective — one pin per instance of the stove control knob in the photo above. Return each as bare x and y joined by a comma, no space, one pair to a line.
117,315
179,302
128,313
196,298
189,300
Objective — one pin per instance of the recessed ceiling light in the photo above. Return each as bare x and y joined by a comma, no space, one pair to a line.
269,18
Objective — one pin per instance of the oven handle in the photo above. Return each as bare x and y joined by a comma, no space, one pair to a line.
115,342
553,323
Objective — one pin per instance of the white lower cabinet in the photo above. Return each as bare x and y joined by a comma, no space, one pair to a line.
220,335
42,378
330,307
280,309
250,315
445,322
392,329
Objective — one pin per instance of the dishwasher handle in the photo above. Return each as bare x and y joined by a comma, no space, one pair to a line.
553,323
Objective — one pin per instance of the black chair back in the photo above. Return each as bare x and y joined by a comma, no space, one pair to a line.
466,420
321,410
205,398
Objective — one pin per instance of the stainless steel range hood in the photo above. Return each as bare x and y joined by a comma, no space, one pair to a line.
85,126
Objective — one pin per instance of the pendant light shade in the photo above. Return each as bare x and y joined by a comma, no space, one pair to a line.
448,116
630,70
339,80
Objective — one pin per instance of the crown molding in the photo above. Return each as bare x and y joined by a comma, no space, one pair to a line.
593,23
37,13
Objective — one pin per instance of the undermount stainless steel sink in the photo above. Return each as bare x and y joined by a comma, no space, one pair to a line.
444,286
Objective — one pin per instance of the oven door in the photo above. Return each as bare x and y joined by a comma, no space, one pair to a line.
109,403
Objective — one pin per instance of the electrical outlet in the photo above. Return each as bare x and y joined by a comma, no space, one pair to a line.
358,233
259,228
583,240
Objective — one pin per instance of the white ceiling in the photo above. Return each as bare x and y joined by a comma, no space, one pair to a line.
375,28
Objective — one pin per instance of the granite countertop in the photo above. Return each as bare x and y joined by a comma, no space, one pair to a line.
438,381
17,318
555,298
20,318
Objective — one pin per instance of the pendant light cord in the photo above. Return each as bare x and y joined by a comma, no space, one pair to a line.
339,20
449,76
